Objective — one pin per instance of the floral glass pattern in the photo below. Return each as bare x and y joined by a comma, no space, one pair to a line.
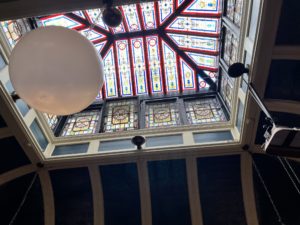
82,123
207,110
162,115
121,116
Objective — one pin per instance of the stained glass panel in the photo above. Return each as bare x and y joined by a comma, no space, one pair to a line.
139,68
188,76
202,111
195,25
12,31
110,74
121,116
99,46
131,17
212,75
230,9
82,123
148,15
79,13
179,2
60,20
92,35
154,64
203,85
204,61
52,120
119,29
162,115
165,9
95,15
192,42
230,48
204,6
124,67
235,11
238,12
170,68
227,89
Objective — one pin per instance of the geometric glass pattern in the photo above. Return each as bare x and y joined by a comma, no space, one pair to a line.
165,10
156,50
121,116
188,76
61,20
164,114
195,25
230,47
52,120
204,61
196,43
148,15
206,110
13,30
234,11
207,6
82,123
227,89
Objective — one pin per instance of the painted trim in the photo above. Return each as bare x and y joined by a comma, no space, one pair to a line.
193,189
248,189
98,202
145,195
48,197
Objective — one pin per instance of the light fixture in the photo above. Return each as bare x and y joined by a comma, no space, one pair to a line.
56,70
274,133
112,17
138,141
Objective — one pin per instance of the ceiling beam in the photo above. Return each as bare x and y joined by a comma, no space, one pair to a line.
5,132
48,198
98,202
15,173
279,105
145,195
193,189
248,189
286,52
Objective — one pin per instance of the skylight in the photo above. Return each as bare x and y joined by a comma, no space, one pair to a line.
165,76
160,48
164,66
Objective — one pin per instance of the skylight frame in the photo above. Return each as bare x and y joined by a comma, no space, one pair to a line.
162,130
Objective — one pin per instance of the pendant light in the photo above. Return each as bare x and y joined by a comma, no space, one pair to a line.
56,70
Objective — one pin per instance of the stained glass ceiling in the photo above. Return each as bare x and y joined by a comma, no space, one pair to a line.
160,48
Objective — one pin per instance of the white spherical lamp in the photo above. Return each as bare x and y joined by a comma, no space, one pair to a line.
56,70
